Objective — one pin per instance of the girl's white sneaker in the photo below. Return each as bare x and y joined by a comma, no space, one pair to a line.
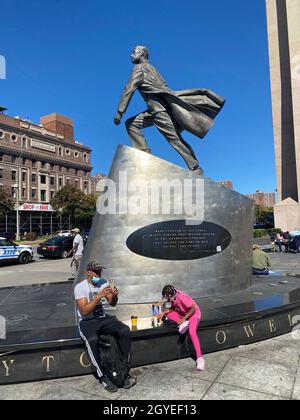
184,327
201,364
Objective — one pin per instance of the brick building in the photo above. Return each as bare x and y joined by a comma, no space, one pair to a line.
37,160
263,199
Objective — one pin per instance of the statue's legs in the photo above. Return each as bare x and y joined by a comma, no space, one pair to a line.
134,126
164,123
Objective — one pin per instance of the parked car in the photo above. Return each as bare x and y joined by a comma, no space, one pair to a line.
86,233
11,236
9,251
65,233
56,247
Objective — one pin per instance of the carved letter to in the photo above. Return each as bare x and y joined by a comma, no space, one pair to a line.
48,359
7,366
221,337
272,325
250,330
82,361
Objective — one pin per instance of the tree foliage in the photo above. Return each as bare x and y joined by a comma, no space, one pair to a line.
264,216
7,203
70,201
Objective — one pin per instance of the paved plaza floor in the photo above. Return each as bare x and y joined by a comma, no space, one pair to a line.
263,371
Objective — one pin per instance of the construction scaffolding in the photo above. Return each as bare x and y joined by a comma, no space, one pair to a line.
41,223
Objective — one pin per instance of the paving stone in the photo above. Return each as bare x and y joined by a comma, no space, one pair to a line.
296,393
259,376
222,392
60,392
167,385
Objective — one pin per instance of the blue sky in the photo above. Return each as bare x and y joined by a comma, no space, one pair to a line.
73,58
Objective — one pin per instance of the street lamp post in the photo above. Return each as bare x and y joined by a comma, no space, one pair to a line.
16,186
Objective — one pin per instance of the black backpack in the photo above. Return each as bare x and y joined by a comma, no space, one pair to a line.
113,363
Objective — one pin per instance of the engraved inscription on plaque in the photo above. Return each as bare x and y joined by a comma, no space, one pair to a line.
175,240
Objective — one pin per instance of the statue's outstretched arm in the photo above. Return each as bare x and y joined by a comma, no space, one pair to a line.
135,81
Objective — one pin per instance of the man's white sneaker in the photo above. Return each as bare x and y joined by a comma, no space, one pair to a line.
184,327
201,364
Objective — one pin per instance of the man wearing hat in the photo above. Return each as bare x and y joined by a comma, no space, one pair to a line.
77,252
90,295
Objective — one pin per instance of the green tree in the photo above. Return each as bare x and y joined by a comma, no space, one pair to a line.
7,203
70,201
264,216
87,207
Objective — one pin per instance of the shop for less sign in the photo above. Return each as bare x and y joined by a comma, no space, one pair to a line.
36,207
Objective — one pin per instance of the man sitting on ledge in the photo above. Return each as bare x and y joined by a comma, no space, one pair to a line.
261,262
93,321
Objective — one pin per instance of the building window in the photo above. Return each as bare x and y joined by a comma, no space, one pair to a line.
33,194
76,171
76,154
14,138
52,180
33,178
86,184
68,152
13,175
1,157
2,135
24,142
24,161
43,195
1,173
34,163
13,159
52,166
13,192
60,182
60,152
84,157
43,179
24,177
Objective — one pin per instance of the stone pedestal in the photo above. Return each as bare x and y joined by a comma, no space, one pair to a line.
287,215
152,241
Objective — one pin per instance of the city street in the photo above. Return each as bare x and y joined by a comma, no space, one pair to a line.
58,270
40,271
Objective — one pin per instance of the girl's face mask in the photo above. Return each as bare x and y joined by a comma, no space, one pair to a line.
170,298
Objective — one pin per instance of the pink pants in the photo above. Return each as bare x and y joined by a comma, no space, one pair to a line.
194,322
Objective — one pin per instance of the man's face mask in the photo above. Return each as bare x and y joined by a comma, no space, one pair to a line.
98,282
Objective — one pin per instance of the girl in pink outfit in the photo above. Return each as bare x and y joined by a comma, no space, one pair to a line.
183,310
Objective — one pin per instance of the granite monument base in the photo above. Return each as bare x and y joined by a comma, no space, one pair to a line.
42,340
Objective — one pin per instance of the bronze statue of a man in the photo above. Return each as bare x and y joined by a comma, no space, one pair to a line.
171,112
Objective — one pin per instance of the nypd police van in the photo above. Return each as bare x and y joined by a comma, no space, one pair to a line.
9,251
